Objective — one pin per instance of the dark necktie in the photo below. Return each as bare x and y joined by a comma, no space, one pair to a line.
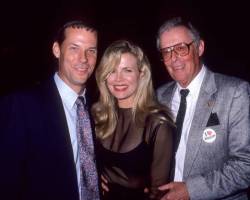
88,172
180,116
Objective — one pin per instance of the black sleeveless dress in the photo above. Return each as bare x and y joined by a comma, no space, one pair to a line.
136,157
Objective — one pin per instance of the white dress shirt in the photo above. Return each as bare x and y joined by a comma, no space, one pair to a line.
194,90
69,97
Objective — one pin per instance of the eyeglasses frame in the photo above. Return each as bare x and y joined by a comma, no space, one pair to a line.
172,48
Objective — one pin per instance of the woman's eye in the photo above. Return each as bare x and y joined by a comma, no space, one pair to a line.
128,70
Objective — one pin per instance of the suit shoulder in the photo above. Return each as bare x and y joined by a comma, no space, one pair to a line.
33,93
225,81
164,87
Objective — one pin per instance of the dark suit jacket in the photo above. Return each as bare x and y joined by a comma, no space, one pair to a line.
219,169
36,153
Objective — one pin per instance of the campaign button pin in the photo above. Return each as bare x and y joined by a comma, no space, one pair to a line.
209,135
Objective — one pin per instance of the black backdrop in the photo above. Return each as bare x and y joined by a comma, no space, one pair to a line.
27,29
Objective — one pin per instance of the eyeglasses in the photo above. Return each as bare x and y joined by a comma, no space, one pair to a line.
180,49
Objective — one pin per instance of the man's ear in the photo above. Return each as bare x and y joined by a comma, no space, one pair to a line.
201,47
56,49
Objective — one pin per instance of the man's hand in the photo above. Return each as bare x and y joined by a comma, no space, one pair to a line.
175,191
104,184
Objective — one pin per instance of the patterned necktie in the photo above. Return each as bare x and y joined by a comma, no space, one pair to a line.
181,115
88,171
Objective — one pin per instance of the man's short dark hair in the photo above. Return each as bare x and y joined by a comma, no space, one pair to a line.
60,36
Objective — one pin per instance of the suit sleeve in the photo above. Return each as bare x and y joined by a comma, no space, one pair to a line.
11,149
234,175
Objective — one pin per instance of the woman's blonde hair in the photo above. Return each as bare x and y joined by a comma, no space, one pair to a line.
105,110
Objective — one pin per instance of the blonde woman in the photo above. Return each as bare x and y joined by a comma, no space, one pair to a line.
134,132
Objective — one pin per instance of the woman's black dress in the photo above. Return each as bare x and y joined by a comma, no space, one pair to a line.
136,157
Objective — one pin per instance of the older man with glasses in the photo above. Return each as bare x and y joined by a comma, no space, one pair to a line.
212,144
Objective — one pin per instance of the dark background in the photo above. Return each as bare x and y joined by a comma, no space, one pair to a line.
28,27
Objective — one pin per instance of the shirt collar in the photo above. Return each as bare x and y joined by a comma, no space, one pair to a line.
67,94
195,84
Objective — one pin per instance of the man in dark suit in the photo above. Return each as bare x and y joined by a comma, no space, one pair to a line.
40,153
213,146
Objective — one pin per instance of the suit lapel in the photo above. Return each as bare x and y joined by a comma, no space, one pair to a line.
166,98
57,123
168,94
204,106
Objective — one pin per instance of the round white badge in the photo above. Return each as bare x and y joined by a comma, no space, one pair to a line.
209,135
